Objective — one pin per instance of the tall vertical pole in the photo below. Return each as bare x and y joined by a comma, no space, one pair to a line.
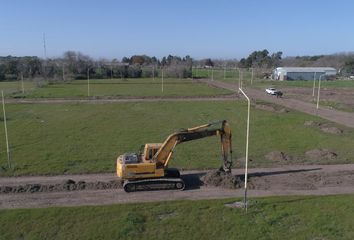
212,74
162,80
111,71
88,82
224,73
247,137
319,88
252,76
153,73
63,73
6,135
22,85
314,84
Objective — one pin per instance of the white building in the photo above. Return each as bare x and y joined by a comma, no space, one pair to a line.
302,73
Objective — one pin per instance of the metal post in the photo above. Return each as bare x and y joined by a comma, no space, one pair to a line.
22,85
224,72
247,137
212,74
6,135
153,73
252,76
88,82
162,80
314,84
63,73
319,87
111,71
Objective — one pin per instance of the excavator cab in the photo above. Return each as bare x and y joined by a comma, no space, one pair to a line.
150,149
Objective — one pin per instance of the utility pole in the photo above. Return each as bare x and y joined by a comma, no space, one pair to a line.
153,73
319,88
88,82
314,84
22,85
6,135
252,76
162,80
247,137
111,71
63,68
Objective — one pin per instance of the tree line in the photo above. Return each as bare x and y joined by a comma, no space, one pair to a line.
75,65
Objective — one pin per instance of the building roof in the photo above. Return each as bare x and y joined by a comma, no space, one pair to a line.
305,69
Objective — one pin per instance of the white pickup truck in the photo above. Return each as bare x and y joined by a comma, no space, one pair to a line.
273,91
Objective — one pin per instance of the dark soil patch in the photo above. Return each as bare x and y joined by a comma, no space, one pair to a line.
67,185
271,108
324,127
278,156
222,179
319,153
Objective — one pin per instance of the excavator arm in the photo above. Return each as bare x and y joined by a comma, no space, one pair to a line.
222,128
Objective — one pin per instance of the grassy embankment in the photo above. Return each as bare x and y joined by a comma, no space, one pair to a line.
329,217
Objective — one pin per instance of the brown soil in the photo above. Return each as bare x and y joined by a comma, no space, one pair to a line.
272,108
277,156
324,127
286,180
319,153
66,185
222,179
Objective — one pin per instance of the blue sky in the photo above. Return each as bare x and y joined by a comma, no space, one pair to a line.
216,29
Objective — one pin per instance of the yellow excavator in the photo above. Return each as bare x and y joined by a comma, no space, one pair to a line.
148,170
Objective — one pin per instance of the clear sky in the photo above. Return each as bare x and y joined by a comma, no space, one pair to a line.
199,28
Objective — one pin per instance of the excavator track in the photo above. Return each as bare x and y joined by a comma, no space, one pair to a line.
154,184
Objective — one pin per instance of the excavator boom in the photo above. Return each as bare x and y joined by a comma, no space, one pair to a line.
221,128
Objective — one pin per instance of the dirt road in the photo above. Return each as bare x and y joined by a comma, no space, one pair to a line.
288,180
122,99
344,118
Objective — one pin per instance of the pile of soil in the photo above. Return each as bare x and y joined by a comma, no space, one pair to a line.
319,153
272,108
278,156
222,179
68,185
324,127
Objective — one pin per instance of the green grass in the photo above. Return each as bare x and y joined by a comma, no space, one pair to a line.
78,138
142,87
329,217
15,87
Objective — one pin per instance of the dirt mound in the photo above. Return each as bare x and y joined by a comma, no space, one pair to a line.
277,156
324,127
319,153
272,108
67,185
222,179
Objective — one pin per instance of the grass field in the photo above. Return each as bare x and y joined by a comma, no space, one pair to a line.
142,87
329,217
78,138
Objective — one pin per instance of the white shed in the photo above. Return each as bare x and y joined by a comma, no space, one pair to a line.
302,73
